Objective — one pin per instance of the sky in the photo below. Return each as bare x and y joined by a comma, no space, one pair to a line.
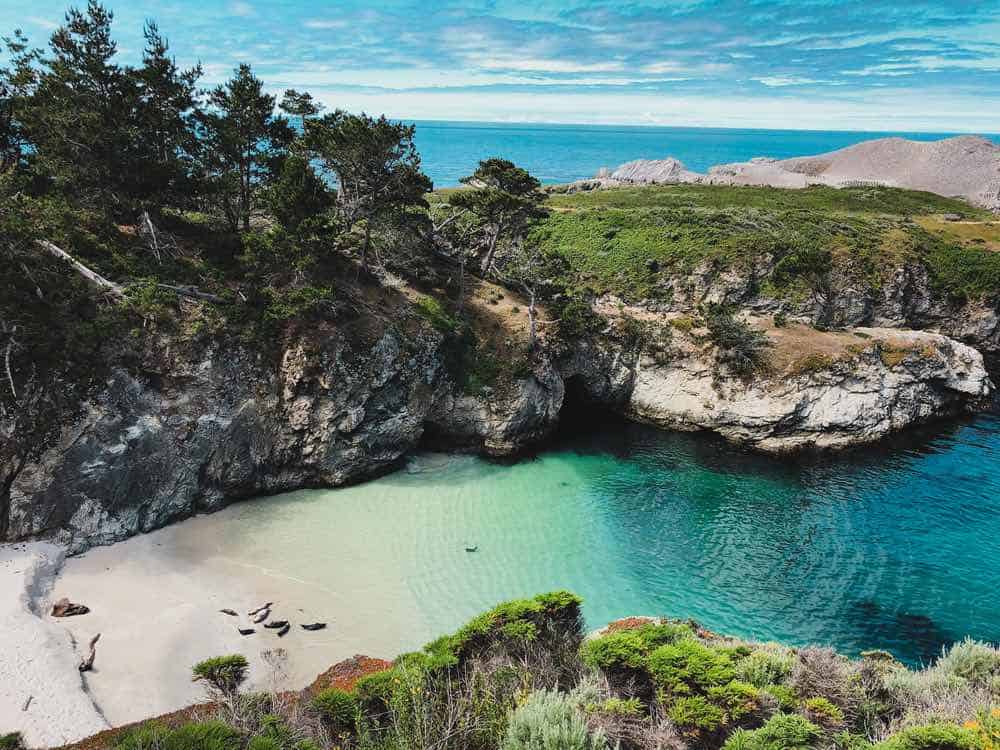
913,65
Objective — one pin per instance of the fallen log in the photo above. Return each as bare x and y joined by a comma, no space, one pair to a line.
93,278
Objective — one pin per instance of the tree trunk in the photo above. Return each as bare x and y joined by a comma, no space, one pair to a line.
364,248
491,251
94,278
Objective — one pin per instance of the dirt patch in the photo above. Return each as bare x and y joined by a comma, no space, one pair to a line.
345,675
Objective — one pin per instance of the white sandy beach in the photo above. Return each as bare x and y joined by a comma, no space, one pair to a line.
41,692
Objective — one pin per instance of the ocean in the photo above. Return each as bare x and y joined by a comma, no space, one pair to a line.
562,153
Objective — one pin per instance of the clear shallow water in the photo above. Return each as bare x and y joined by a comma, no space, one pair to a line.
562,153
895,547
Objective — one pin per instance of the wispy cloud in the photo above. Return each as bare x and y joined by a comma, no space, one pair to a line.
407,55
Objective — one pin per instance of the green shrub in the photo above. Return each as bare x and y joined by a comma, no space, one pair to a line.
781,732
694,714
739,346
577,319
201,735
937,736
547,720
780,319
224,673
689,666
11,741
629,648
784,695
823,712
338,708
431,309
737,698
762,668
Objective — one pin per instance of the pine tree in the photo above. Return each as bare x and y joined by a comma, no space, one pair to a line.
244,143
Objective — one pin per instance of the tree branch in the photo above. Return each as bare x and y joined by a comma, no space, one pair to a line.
94,278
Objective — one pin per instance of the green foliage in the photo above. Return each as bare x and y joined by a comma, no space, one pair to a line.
202,735
630,648
781,732
976,662
696,714
433,310
763,668
739,346
737,698
937,736
823,711
784,695
689,666
298,197
547,720
224,673
505,199
337,707
577,318
11,741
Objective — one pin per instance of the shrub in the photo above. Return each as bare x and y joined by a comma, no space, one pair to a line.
547,720
979,663
629,648
200,735
739,346
431,309
224,673
694,714
783,695
780,319
823,712
937,736
338,708
11,741
762,668
737,698
689,666
781,732
577,319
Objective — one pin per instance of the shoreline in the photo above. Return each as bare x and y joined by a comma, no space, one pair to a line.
42,693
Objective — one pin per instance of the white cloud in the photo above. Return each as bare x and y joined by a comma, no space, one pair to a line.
43,23
541,65
780,81
319,23
242,9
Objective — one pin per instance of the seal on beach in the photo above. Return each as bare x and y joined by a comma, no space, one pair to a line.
261,617
253,612
314,626
65,608
276,624
229,612
246,631
284,629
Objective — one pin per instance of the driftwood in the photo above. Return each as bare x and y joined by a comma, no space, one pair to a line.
87,664
95,279
27,703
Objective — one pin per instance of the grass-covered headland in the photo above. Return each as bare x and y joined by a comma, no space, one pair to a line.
522,676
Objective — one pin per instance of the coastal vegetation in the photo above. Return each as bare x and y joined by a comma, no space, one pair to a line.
523,676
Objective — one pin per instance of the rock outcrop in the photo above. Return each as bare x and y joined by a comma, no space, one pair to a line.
963,166
189,432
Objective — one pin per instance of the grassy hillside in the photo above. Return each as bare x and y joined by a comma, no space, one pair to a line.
624,241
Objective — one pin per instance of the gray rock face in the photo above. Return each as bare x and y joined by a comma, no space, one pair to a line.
202,431
170,444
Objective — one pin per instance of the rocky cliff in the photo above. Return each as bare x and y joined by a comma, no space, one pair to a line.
192,429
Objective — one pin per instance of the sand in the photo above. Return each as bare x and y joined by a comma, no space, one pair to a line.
41,691
155,599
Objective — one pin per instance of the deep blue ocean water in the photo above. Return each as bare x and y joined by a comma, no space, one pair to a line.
561,153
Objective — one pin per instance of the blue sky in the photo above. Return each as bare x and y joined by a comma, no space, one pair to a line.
854,64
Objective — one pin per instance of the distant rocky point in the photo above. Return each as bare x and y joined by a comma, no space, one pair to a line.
965,166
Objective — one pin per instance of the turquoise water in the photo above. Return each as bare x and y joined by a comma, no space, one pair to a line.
562,153
895,547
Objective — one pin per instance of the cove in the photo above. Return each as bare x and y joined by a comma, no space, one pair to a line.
896,547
